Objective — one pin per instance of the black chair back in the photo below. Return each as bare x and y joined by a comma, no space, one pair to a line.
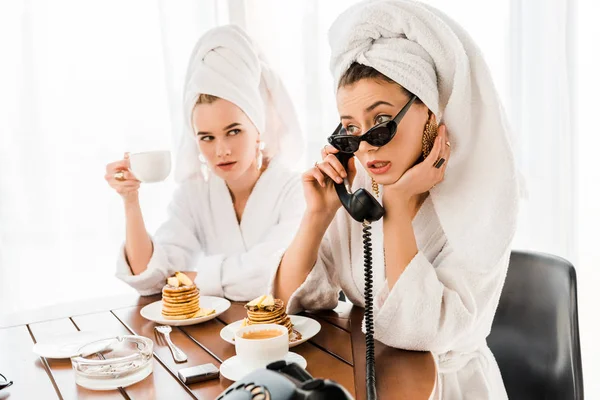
535,334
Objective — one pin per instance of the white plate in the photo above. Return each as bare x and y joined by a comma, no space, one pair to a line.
233,369
152,311
66,345
307,327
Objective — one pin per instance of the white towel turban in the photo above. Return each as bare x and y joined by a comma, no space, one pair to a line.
226,63
430,55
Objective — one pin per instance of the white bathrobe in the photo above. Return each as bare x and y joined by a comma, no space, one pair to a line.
445,300
202,234
441,303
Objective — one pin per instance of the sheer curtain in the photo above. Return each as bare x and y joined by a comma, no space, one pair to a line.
84,81
587,189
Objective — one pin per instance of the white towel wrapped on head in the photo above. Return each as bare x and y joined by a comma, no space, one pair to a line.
431,56
226,63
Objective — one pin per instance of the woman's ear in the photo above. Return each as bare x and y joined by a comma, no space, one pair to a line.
431,116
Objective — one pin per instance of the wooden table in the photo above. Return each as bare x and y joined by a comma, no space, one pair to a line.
337,353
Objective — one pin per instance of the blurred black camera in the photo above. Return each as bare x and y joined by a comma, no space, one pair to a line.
283,381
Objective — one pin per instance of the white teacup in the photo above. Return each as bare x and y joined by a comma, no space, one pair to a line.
257,353
151,166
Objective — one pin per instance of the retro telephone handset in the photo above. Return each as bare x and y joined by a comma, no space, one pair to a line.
364,208
361,205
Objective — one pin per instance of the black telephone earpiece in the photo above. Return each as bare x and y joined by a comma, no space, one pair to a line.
361,205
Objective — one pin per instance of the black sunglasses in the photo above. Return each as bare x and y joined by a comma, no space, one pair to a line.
378,136
4,383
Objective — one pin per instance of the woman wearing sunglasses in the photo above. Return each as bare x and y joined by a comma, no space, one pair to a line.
237,202
441,251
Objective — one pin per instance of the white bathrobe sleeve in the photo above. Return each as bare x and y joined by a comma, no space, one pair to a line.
320,290
433,306
174,245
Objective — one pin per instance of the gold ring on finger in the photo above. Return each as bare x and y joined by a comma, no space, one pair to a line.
448,144
120,176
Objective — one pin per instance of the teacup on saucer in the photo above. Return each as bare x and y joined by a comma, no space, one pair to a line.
261,344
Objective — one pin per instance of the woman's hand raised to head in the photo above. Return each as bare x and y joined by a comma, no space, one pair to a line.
120,178
318,181
424,176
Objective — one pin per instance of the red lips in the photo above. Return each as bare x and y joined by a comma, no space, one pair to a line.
379,167
226,166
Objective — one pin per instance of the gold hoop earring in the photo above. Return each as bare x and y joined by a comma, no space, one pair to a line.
204,170
429,134
375,187
260,146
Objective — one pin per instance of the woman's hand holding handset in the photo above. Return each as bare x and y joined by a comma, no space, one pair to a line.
318,181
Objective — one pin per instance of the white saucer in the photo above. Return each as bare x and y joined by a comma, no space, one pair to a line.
307,327
152,311
66,345
233,369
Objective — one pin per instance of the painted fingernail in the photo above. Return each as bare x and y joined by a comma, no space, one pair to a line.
439,163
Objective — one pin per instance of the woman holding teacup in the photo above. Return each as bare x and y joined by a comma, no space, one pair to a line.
238,205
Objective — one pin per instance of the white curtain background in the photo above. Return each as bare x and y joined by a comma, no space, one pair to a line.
81,82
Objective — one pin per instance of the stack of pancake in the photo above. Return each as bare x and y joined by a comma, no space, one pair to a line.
181,302
267,310
180,298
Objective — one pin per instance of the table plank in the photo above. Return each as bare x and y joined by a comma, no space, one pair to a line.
196,355
339,316
67,310
61,370
234,313
412,378
321,364
333,339
160,384
19,364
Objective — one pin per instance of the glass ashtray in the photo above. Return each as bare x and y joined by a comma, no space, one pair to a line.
114,362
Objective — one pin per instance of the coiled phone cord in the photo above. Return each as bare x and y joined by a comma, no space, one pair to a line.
369,325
